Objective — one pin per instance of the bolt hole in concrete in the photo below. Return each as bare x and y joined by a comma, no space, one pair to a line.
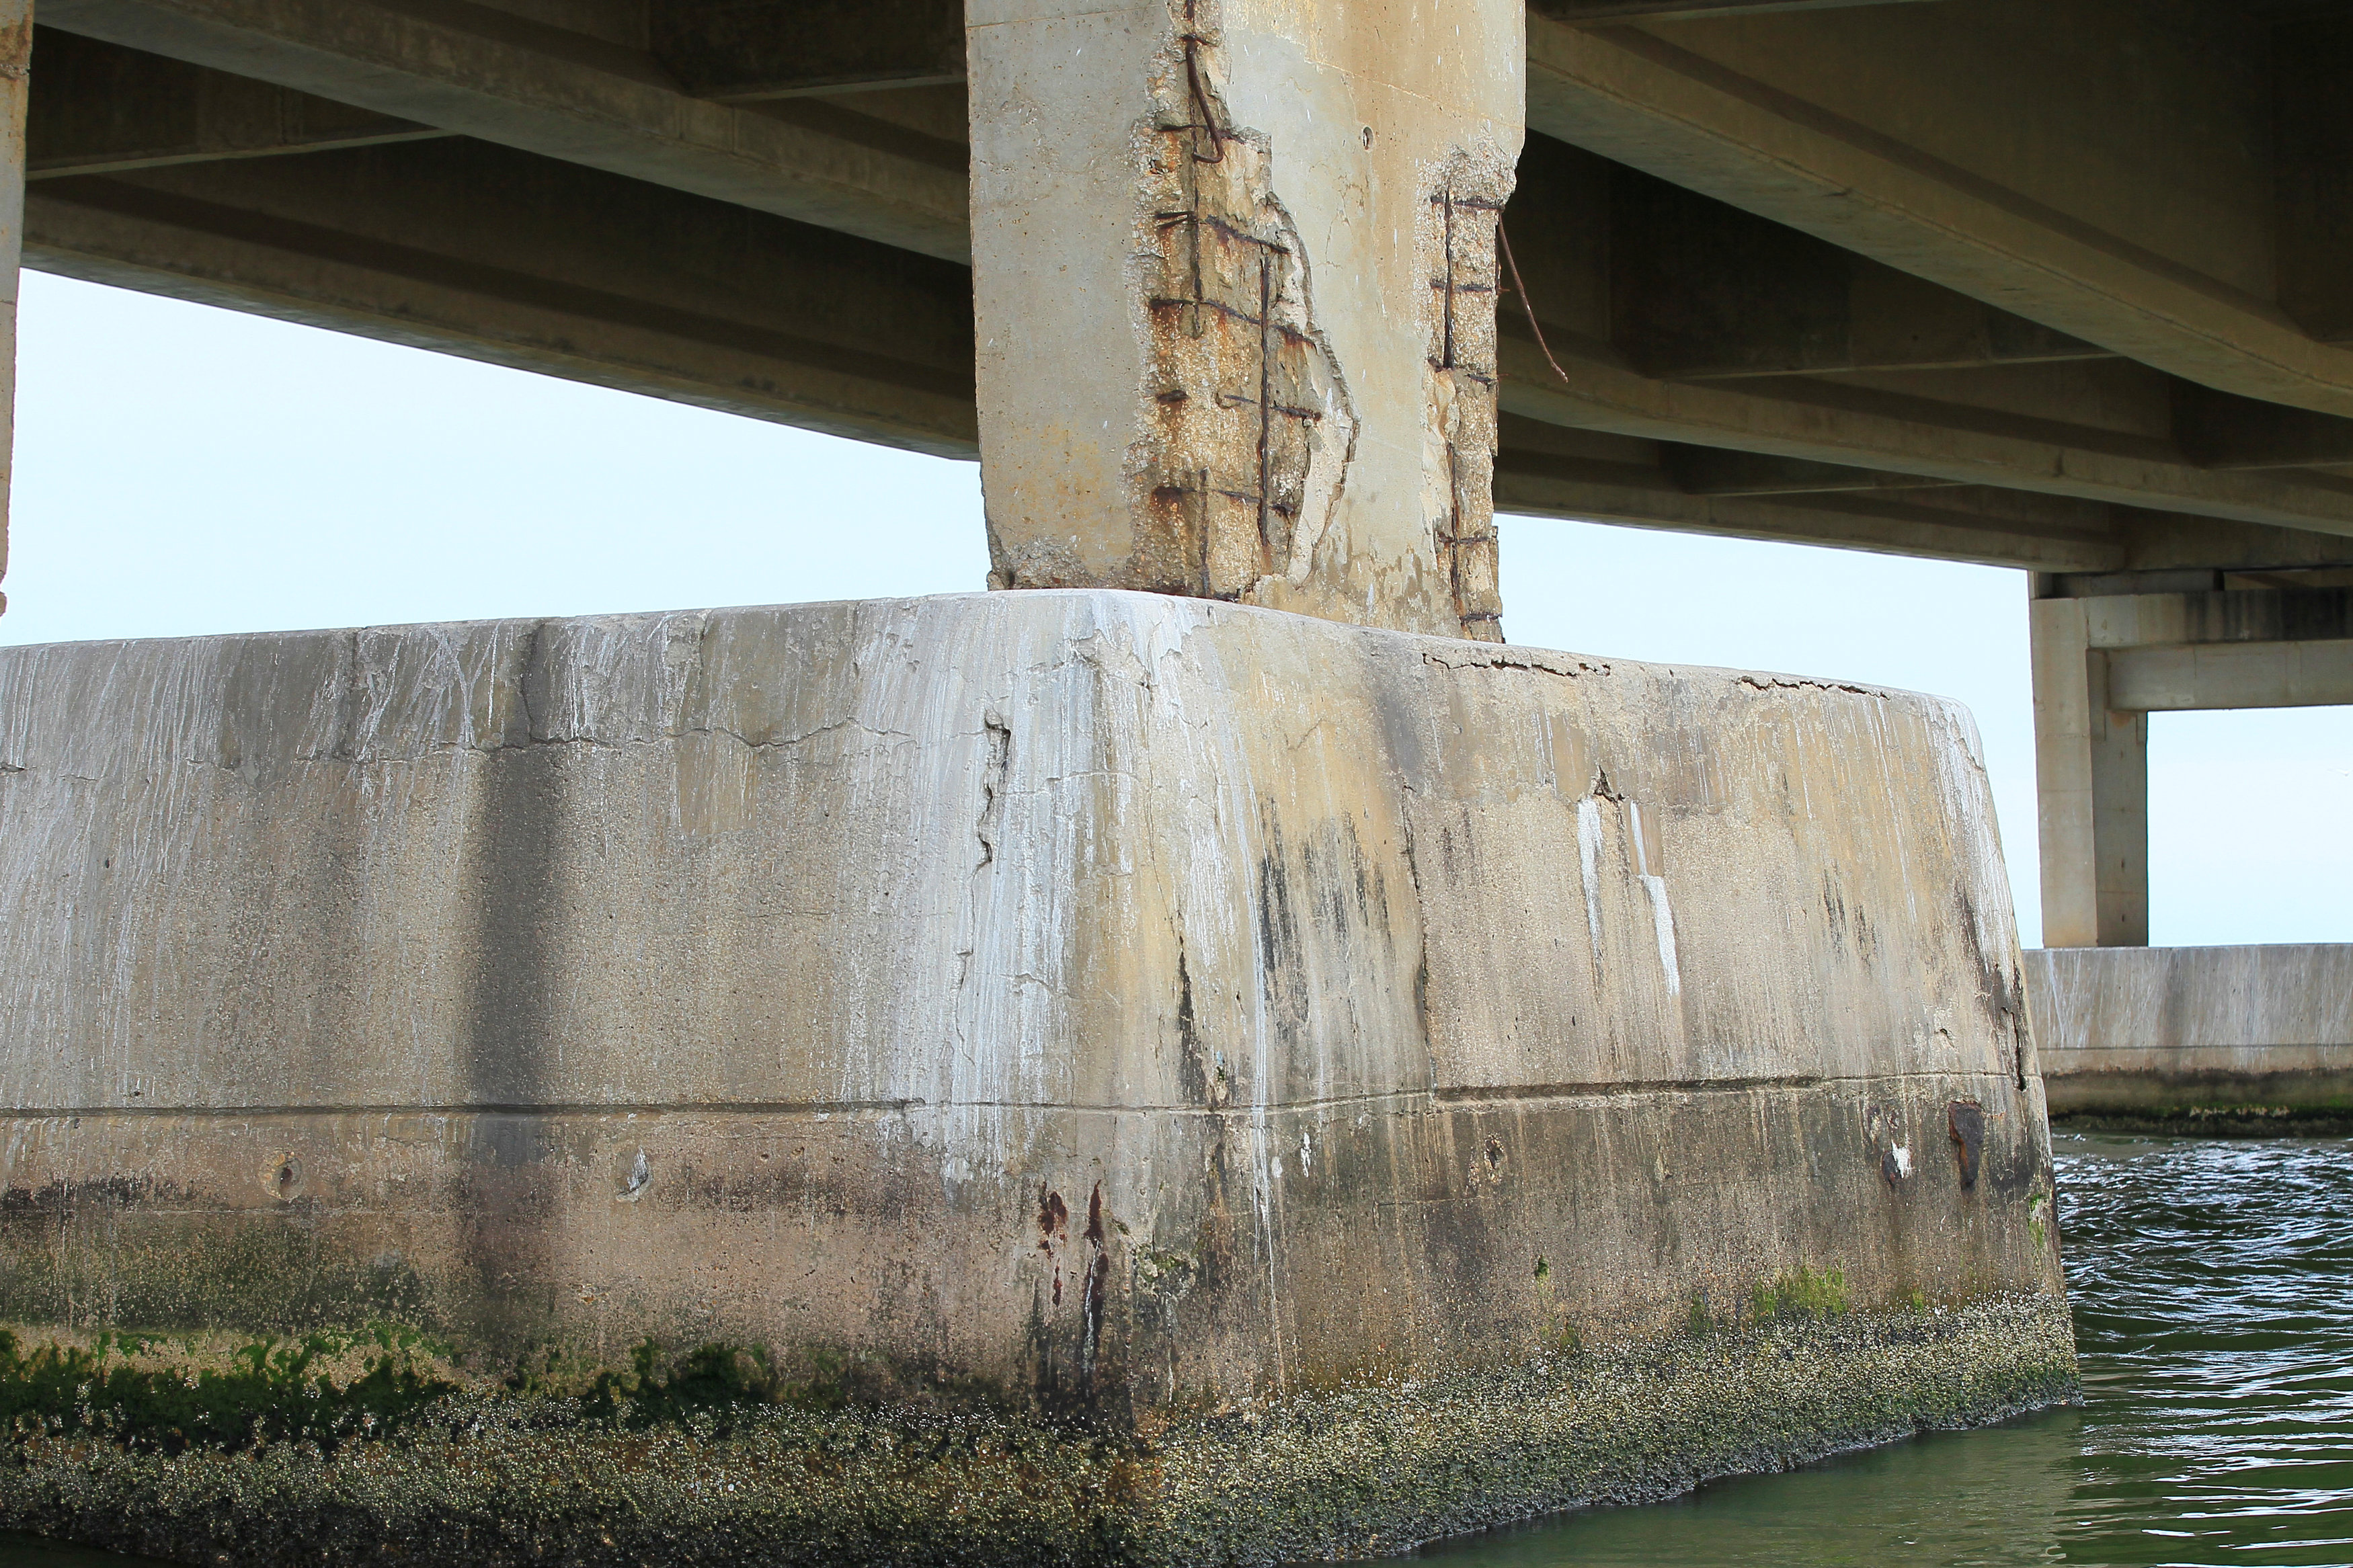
283,1179
2208,1280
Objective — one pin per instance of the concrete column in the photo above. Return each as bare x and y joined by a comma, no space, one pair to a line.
2092,779
1234,271
15,58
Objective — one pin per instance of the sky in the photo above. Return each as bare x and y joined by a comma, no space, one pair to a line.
183,470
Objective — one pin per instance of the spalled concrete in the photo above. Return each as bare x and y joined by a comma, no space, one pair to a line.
1235,279
1144,1017
2191,1035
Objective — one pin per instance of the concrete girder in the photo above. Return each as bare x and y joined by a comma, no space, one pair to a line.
1825,422
1721,471
2312,193
1691,288
101,108
1537,484
1547,471
2172,542
2243,648
397,245
479,250
2219,430
2231,675
2221,617
1699,289
1586,11
2177,277
744,50
1550,471
465,68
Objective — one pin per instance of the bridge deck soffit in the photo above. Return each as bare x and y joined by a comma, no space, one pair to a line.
2012,151
1710,362
565,94
475,249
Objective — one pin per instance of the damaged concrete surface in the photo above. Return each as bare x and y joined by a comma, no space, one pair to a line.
1141,1010
1235,282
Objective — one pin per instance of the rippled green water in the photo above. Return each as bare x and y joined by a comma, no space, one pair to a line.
2213,1291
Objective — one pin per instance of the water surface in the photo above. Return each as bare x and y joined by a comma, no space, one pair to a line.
2213,1292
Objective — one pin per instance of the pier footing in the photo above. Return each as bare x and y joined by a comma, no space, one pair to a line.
2199,1039
1049,1076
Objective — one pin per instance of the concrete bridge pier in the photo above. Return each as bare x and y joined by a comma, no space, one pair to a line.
2238,1034
1198,1056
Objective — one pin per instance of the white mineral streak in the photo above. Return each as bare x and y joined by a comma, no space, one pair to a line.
1663,917
1588,861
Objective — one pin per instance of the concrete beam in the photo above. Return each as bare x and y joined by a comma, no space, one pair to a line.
1545,471
2238,616
1587,11
2004,149
1701,289
1689,288
2091,764
2208,675
2218,430
1824,421
2171,541
1721,471
98,108
742,51
487,74
2313,189
1549,470
491,253
1531,484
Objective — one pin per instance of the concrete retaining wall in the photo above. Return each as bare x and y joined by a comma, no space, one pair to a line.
1138,1010
2175,1030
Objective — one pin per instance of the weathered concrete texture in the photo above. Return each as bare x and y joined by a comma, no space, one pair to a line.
1234,272
2177,1031
1133,1008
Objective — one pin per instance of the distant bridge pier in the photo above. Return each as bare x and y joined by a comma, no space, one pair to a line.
2228,1032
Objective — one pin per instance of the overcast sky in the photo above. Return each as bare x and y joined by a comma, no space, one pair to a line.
182,469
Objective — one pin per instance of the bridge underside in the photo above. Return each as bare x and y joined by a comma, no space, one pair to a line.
2061,287
1108,1002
